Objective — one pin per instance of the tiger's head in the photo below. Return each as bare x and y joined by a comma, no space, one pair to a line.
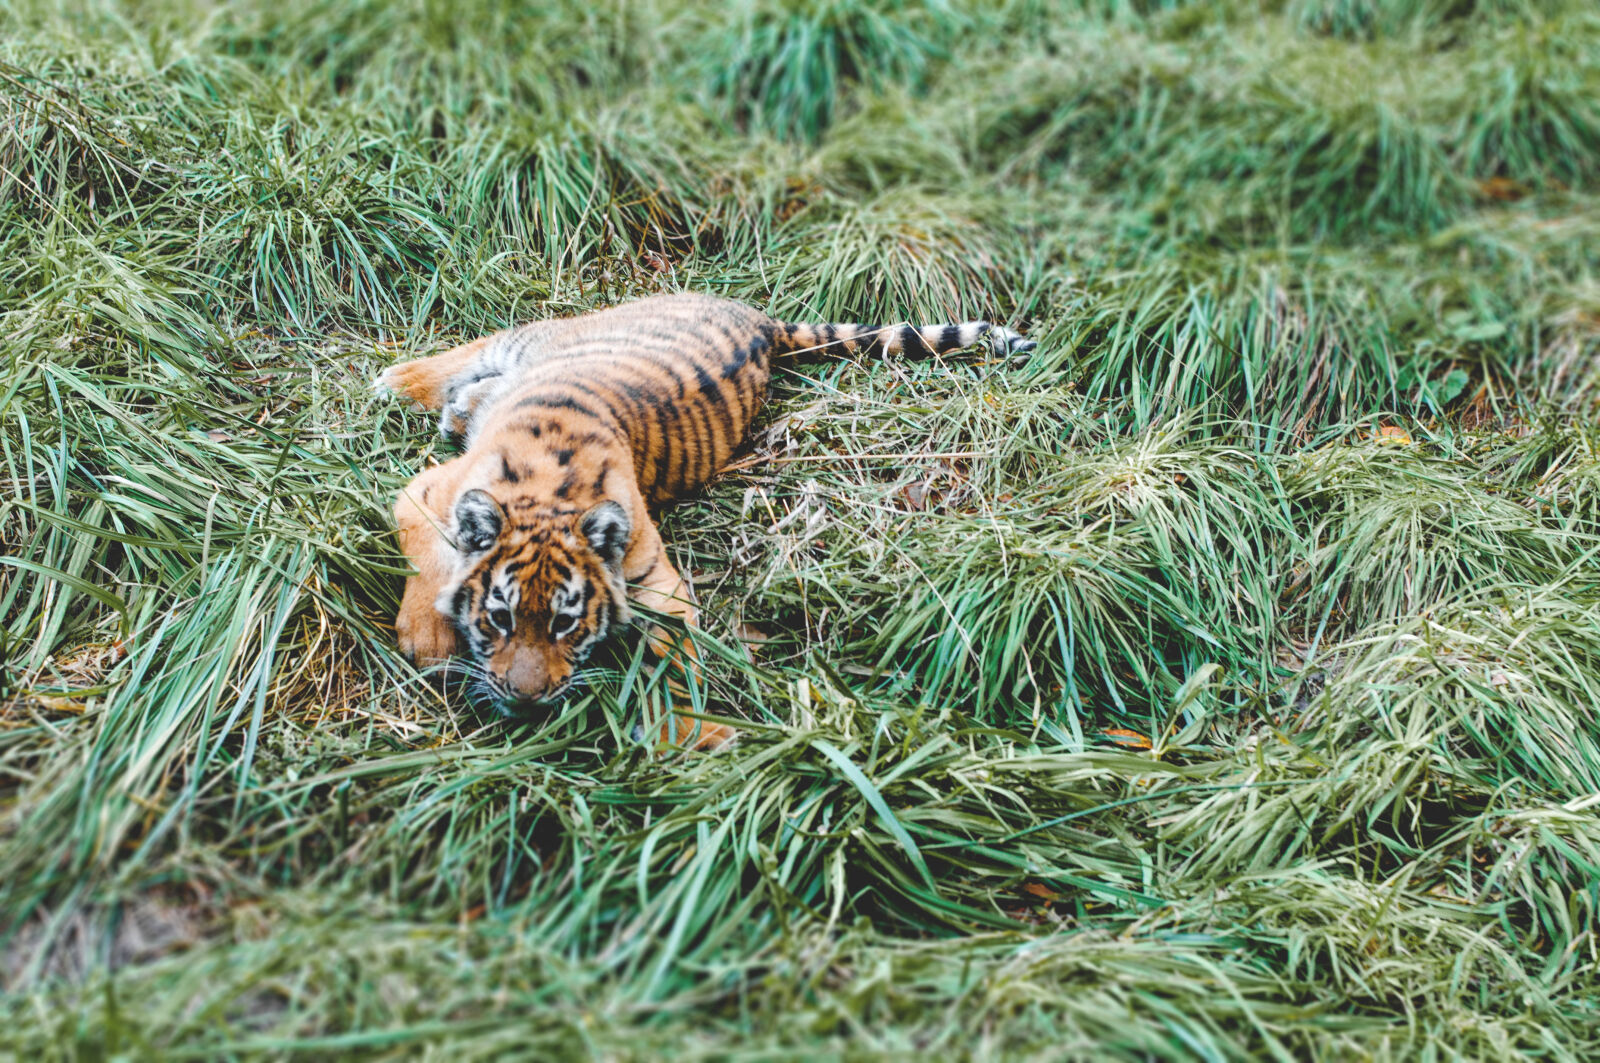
534,596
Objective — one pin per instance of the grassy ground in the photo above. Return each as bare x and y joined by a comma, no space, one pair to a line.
1221,683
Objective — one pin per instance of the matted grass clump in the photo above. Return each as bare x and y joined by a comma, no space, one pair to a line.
1219,682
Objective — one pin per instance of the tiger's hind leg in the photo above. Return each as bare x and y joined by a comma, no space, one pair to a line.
427,381
662,588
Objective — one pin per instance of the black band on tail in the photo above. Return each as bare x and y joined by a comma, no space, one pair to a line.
917,342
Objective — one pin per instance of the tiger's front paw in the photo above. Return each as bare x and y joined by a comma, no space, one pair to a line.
683,732
412,380
695,733
424,635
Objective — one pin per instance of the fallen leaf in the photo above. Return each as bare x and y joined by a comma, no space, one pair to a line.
751,640
1130,739
1392,434
1504,189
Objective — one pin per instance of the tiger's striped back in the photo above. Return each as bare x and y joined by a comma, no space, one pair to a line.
679,377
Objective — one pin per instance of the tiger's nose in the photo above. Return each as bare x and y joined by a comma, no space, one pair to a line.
519,702
523,672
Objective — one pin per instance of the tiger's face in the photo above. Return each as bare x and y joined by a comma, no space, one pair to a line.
535,595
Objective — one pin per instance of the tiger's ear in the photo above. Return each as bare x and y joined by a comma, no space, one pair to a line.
607,529
478,521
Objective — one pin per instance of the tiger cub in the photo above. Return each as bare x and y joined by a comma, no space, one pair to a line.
531,544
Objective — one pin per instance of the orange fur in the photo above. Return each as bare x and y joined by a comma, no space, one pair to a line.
530,546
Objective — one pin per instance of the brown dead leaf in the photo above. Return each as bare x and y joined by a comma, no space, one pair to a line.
1504,189
1126,738
86,665
751,639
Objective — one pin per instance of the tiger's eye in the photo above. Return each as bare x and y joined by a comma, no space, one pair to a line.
500,619
562,624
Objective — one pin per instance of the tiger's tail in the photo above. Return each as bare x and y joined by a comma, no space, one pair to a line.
917,341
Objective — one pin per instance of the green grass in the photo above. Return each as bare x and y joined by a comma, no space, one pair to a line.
1219,683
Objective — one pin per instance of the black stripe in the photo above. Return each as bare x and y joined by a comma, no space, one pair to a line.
662,410
950,338
736,384
600,397
667,454
911,343
695,418
627,393
730,336
786,336
742,357
837,337
670,369
674,341
641,399
710,346
733,407
663,457
730,432
555,402
758,353
697,425
747,405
